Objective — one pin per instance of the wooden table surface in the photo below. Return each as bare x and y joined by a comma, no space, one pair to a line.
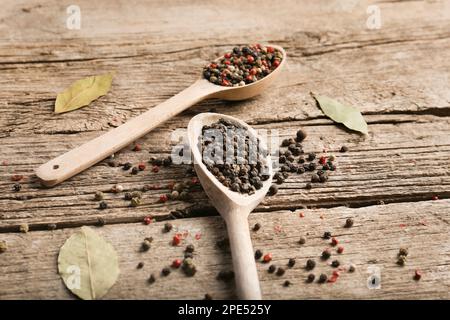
397,75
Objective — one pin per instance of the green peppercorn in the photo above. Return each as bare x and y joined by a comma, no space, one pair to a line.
24,228
135,202
98,196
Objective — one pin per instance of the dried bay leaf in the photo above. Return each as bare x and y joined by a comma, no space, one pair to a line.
82,92
349,116
88,264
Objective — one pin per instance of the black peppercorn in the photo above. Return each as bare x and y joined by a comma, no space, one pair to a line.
308,185
273,190
146,245
335,263
256,227
151,279
287,283
310,264
225,275
301,135
165,271
348,223
311,156
310,278
207,297
315,178
102,205
280,271
258,254
140,265
135,170
323,278
17,187
272,268
127,166
403,252
100,222
326,254
323,177
291,262
344,149
285,143
190,248
326,235
168,227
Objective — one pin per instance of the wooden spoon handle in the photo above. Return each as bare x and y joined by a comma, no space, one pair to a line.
86,155
246,275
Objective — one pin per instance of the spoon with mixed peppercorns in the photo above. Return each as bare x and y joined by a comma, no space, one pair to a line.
239,74
235,170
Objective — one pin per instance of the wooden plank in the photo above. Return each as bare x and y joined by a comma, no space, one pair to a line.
404,162
28,268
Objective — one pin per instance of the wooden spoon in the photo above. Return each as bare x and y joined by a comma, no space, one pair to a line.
76,160
234,207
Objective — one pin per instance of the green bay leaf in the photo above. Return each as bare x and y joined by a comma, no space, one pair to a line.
82,92
88,264
349,116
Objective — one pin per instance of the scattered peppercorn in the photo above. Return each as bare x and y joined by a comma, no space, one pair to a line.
326,235
98,196
348,223
403,252
310,264
207,297
272,268
134,170
112,163
151,279
267,257
335,263
24,228
127,166
417,275
315,178
167,227
308,185
286,283
137,147
188,267
135,202
163,198
311,156
434,197
147,220
302,240
146,245
323,278
189,248
176,240
102,205
310,278
141,166
344,149
334,241
301,135
326,254
165,271
273,190
140,265
401,260
16,177
100,222
256,227
258,254
155,169
17,187
351,268
291,262
128,196
176,263
340,249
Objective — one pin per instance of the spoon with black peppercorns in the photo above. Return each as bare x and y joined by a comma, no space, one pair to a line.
240,74
235,170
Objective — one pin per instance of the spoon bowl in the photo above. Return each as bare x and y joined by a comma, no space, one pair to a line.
234,207
76,160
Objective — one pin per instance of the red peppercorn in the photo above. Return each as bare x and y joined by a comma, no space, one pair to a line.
434,197
176,240
340,249
302,215
227,55
417,275
267,257
176,263
323,160
16,177
148,220
194,180
275,63
225,82
270,49
213,65
141,166
137,147
227,62
155,169
250,59
253,71
163,198
249,78
334,241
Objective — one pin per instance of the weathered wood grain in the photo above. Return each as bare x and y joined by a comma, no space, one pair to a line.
404,162
28,269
